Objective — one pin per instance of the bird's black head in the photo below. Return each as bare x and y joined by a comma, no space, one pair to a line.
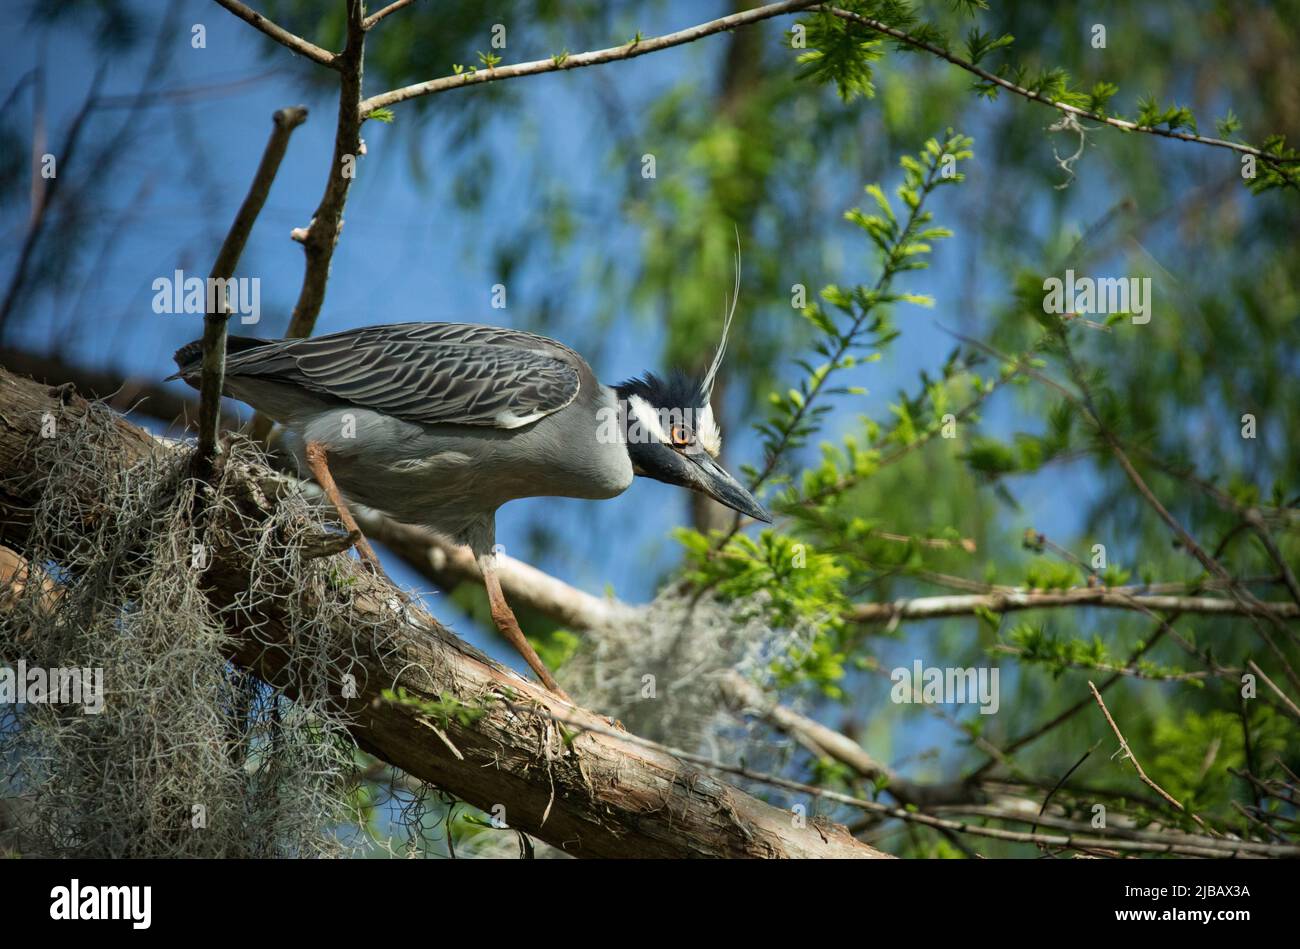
673,436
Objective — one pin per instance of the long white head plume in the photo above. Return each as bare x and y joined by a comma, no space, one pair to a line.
711,375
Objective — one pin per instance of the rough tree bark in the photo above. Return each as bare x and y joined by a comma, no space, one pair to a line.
597,795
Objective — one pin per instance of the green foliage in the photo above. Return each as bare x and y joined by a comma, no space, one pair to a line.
555,647
1044,574
1100,96
1032,644
1228,125
1284,173
793,586
856,327
979,44
841,53
1152,115
1196,753
802,583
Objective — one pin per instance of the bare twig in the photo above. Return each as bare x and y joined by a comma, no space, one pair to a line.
1128,752
629,50
214,321
1286,700
1256,521
280,35
393,7
42,198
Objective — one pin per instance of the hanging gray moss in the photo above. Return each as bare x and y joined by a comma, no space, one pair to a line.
189,755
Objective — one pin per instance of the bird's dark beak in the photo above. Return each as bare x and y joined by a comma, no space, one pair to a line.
710,478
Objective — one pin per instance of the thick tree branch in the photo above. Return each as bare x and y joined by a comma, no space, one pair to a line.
629,50
279,34
1175,842
123,392
598,793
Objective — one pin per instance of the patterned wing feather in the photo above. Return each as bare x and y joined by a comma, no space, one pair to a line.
429,373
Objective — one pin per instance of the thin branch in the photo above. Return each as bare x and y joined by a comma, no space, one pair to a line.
42,199
559,63
393,7
1164,627
1211,563
321,236
214,321
1256,521
852,480
1131,671
1158,840
932,607
280,35
1128,752
1286,700
918,43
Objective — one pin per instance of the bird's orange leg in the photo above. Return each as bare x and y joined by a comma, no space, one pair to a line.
315,452
504,617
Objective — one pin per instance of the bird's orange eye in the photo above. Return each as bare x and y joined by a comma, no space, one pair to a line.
680,435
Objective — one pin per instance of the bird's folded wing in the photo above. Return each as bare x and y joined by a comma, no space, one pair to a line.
455,374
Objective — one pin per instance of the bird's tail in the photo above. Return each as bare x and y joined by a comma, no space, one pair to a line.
189,356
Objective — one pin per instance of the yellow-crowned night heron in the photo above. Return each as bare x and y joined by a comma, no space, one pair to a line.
440,424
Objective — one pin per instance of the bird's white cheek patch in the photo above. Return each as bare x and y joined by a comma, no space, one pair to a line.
647,417
709,434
